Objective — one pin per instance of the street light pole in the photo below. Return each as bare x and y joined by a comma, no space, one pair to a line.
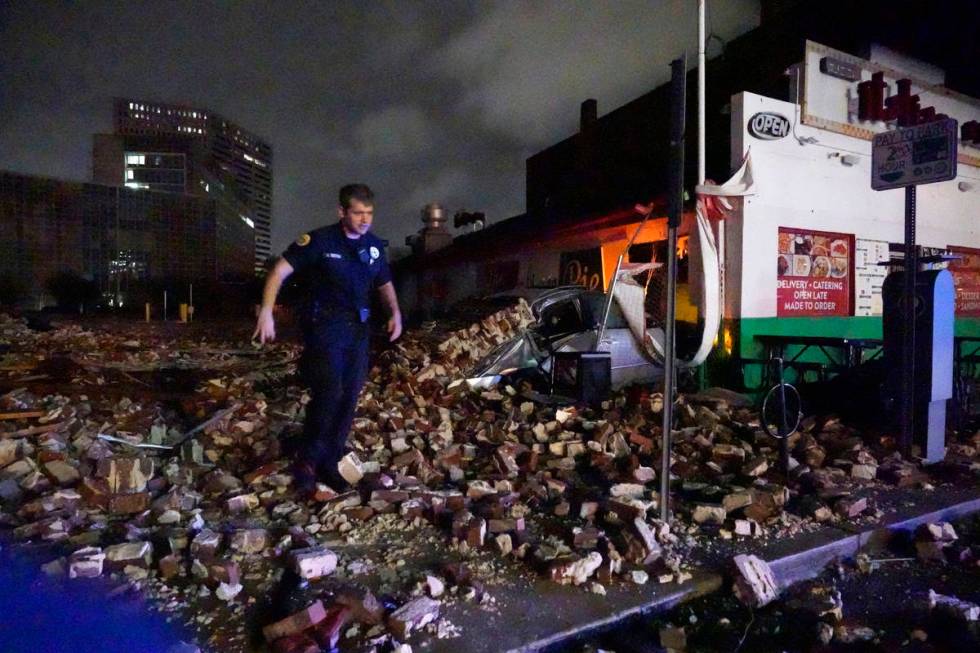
675,195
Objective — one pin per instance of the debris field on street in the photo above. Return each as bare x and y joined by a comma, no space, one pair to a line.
158,460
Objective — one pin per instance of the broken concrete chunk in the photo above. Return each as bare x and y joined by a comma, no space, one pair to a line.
576,571
747,528
727,453
641,544
848,634
434,586
351,468
673,639
205,544
412,616
10,450
954,607
736,500
252,540
364,607
224,571
126,474
755,467
627,490
17,470
755,584
169,566
865,472
226,592
850,507
314,562
936,532
242,503
169,517
709,514
61,472
86,563
138,554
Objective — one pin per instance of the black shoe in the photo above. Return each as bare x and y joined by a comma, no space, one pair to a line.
335,481
304,478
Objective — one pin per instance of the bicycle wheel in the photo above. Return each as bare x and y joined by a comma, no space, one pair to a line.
773,410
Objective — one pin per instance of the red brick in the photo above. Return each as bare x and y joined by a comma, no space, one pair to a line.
295,623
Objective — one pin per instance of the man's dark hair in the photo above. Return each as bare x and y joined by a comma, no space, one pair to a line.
359,192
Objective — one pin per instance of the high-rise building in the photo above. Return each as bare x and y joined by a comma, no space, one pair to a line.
189,150
121,239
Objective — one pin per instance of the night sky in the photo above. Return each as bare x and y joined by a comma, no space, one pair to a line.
425,101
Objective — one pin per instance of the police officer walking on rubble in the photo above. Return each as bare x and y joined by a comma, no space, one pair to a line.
344,262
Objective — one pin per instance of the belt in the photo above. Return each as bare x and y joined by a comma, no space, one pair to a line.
321,315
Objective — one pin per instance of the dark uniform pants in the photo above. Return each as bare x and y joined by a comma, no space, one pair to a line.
334,367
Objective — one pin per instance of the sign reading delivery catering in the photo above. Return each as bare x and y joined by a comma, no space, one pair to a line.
966,278
814,270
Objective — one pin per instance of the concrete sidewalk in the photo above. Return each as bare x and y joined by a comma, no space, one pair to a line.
535,615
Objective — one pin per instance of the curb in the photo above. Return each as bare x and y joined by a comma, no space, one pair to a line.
809,563
707,583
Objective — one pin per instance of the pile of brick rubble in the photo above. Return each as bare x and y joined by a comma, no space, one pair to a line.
568,493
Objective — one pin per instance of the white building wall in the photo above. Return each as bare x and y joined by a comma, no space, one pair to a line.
805,185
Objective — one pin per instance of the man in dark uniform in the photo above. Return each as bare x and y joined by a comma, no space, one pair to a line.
344,263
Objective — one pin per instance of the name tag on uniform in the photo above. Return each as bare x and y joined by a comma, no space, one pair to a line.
331,255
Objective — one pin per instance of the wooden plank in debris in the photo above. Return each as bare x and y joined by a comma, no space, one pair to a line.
22,414
35,430
25,379
17,367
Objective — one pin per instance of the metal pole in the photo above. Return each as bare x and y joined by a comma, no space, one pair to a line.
908,332
702,158
783,424
675,195
600,332
702,10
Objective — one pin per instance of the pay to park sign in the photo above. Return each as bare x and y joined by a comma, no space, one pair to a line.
922,154
813,273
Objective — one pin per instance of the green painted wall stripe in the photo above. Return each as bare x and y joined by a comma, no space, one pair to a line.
748,348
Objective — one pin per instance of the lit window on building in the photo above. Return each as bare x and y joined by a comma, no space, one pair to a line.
247,220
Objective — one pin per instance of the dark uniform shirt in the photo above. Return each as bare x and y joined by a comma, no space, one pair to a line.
340,272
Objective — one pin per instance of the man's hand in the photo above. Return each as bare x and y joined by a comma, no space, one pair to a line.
265,328
394,327
390,300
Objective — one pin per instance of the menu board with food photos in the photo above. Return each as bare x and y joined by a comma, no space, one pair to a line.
966,279
814,270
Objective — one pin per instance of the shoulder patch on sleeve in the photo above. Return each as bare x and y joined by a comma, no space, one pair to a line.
303,240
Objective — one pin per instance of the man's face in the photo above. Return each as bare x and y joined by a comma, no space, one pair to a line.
356,219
